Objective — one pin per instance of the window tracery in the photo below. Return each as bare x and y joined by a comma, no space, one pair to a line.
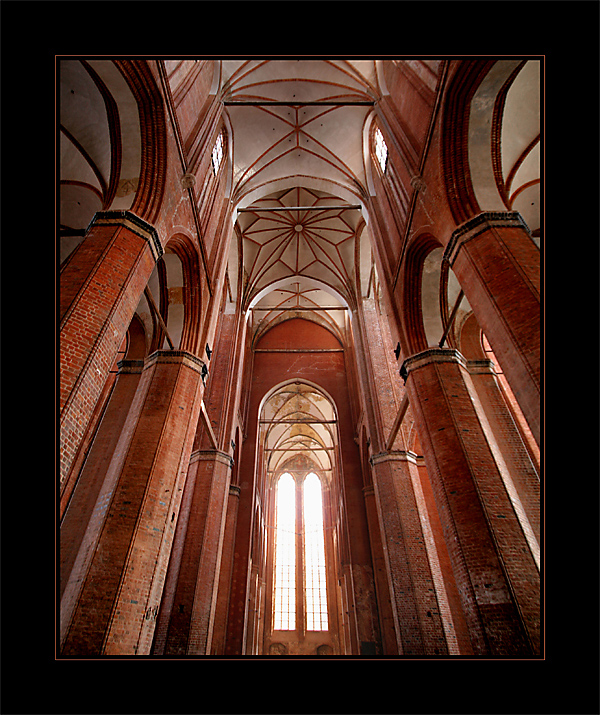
299,555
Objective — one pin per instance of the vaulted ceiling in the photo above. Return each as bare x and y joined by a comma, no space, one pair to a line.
309,239
298,178
299,421
298,119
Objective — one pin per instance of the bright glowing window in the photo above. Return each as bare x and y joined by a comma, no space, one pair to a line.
285,555
381,150
314,556
299,556
217,153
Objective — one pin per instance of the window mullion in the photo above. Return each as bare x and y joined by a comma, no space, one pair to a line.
300,580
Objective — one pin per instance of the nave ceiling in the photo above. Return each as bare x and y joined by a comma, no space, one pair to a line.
290,143
313,155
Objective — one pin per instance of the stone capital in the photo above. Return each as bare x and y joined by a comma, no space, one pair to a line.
427,357
478,225
130,367
480,367
134,223
174,357
395,456
211,455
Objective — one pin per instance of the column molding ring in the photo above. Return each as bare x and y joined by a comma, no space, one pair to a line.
130,367
481,367
175,356
426,357
477,225
211,455
394,456
134,223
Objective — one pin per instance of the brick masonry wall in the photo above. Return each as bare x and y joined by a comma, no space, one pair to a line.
499,270
191,612
451,608
117,607
84,498
409,557
495,573
519,472
222,605
187,614
100,289
418,620
387,619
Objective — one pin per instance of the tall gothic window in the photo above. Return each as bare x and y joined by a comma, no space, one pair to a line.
285,555
314,555
381,151
217,153
300,569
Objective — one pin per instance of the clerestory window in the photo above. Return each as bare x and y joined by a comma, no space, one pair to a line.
217,153
300,588
381,151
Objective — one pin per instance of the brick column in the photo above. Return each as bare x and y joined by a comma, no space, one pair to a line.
417,613
78,530
498,266
495,571
188,611
387,619
359,564
187,618
100,288
235,639
518,470
222,608
115,595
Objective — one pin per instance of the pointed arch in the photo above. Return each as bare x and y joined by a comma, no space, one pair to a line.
416,255
189,292
153,130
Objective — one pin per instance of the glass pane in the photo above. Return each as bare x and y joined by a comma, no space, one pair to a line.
314,555
217,153
380,149
284,607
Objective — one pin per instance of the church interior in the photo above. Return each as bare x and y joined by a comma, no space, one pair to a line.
300,358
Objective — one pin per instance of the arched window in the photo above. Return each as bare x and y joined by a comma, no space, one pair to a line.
314,555
217,153
381,151
300,588
285,555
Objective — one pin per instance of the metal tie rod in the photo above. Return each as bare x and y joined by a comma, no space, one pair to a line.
298,307
298,422
300,208
292,103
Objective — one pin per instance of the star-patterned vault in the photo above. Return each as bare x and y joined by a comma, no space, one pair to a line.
312,242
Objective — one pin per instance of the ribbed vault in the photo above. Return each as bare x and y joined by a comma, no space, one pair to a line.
314,241
285,116
299,420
